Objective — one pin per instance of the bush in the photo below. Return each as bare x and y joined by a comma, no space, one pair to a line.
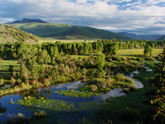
1,82
93,88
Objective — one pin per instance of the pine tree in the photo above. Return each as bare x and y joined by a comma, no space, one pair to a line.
100,61
148,50
158,92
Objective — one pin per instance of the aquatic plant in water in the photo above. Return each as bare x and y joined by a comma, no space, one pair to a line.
56,105
74,93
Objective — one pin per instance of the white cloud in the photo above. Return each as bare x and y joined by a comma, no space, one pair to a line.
108,14
4,20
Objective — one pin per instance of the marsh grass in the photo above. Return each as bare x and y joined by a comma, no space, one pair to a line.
74,93
56,105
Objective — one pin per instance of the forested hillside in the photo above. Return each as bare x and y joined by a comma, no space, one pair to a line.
63,31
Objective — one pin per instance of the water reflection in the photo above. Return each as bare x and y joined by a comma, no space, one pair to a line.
32,92
2,109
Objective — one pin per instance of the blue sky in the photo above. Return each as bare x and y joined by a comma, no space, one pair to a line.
136,16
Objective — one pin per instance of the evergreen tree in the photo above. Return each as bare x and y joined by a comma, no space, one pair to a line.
100,61
158,93
43,57
148,50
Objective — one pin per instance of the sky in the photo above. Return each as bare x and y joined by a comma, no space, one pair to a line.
133,16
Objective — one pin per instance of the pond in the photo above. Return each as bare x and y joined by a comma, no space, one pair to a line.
13,109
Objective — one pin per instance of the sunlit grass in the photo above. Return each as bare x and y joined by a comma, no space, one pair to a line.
137,52
41,40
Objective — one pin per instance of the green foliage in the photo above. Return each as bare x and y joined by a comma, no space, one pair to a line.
158,91
1,81
56,105
43,57
74,93
148,50
100,61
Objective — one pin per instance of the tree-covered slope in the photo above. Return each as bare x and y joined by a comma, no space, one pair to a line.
63,31
11,34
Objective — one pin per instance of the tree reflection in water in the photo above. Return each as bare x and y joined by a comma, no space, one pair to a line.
2,109
43,92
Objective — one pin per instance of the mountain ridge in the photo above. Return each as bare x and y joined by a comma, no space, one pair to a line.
65,31
27,20
140,37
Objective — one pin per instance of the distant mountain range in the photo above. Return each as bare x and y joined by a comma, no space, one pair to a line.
161,38
26,20
141,37
44,29
63,31
11,34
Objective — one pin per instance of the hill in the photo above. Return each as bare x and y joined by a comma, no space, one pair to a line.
161,38
63,31
11,34
140,37
26,20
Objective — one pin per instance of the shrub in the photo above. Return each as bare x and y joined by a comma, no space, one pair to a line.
94,88
12,81
1,81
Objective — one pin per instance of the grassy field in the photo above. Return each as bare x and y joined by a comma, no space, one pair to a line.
4,68
137,52
67,41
